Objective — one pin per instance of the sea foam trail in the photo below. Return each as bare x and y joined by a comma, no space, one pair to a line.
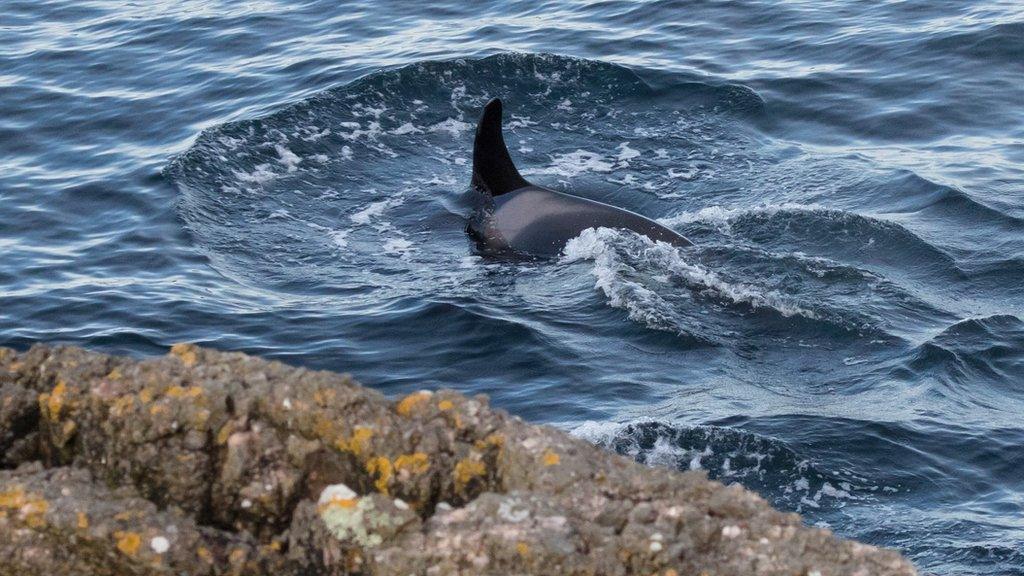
619,255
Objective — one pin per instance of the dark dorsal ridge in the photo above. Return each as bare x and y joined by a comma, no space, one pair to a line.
493,170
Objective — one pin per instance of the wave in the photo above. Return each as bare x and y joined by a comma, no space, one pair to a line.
346,184
617,253
975,350
760,463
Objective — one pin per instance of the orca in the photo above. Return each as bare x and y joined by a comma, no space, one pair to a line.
515,217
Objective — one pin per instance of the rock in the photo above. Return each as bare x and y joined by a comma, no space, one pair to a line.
204,462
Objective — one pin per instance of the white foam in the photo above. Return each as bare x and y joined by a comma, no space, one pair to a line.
290,159
339,237
371,132
645,305
575,163
687,174
723,216
407,128
520,122
451,126
374,210
261,174
626,153
399,246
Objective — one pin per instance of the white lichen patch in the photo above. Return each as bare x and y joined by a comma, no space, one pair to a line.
508,512
349,517
731,531
159,544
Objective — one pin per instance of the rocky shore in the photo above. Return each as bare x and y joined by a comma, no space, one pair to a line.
204,462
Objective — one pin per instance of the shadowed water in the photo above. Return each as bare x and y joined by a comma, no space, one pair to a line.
289,179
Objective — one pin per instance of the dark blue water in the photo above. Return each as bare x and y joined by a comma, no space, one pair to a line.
287,178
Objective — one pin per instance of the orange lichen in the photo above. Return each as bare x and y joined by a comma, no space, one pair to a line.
337,502
186,353
466,470
357,443
51,403
146,395
411,402
491,440
182,392
325,428
83,521
31,508
382,468
415,463
128,542
115,374
445,405
324,396
551,458
157,409
523,548
671,572
122,405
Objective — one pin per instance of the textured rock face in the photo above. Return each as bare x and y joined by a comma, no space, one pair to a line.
204,462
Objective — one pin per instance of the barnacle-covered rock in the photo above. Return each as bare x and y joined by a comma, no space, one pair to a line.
204,462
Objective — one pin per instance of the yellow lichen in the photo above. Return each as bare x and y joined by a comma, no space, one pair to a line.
122,405
445,405
224,434
324,396
415,463
325,428
69,428
466,470
128,542
12,498
204,554
157,409
491,440
31,508
83,521
51,403
357,443
411,402
146,395
671,572
115,374
237,556
523,548
382,468
186,353
182,392
551,458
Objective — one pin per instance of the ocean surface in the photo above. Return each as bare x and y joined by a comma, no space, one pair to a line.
288,178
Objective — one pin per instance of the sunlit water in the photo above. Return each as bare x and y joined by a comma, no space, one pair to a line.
289,179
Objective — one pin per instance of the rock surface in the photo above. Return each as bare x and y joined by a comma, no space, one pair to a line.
204,462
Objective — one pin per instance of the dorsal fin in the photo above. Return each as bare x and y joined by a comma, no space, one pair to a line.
493,170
